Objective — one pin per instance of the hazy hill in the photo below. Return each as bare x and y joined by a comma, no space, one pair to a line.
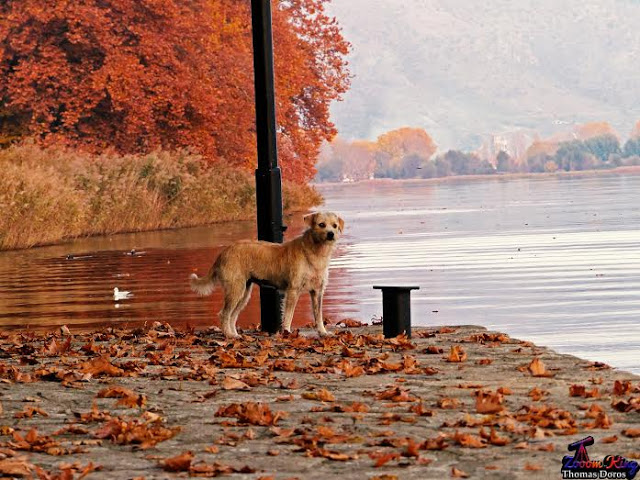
463,69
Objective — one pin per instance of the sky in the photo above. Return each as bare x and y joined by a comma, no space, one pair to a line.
467,69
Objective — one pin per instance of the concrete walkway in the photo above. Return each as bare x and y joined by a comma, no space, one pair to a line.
451,402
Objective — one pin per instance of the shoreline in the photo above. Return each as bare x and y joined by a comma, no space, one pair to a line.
613,172
450,400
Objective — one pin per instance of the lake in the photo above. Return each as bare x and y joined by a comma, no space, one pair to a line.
554,260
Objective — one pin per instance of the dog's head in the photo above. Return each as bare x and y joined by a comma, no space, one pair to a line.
324,226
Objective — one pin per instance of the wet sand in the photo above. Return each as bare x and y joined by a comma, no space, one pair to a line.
451,401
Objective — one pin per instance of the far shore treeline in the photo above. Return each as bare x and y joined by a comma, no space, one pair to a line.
411,153
121,116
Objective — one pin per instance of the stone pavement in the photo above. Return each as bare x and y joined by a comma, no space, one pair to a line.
156,403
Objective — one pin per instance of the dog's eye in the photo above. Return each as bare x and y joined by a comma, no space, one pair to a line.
322,225
335,225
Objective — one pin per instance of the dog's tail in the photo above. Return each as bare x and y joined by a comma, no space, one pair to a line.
203,285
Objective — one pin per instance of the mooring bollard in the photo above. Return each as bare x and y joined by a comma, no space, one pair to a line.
396,310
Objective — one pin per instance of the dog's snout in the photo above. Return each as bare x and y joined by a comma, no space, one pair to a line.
330,235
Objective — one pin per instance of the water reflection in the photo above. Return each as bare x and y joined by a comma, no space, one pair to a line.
553,260
73,284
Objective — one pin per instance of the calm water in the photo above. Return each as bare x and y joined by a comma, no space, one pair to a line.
553,260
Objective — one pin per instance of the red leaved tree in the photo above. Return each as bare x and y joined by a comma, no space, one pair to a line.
145,74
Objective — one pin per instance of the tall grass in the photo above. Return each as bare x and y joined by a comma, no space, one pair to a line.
54,194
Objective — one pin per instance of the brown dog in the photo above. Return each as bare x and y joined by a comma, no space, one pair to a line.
293,267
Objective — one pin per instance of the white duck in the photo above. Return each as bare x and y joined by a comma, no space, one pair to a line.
121,294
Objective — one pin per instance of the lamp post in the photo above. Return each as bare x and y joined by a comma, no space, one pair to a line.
268,176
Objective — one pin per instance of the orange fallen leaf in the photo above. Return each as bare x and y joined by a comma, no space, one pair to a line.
448,403
437,443
350,322
127,397
322,395
538,369
396,394
16,467
577,390
457,473
99,366
631,432
230,383
537,394
621,388
488,402
250,413
433,349
495,439
179,463
468,440
381,459
457,354
484,361
29,412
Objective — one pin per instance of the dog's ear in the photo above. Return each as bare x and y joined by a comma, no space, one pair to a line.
340,224
310,219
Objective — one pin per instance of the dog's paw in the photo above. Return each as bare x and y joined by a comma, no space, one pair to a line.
324,333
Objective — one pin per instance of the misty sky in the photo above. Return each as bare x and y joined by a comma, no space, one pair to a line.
464,69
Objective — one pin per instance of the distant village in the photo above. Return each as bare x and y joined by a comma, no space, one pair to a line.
412,153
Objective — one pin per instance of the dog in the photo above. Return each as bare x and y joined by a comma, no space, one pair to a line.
293,267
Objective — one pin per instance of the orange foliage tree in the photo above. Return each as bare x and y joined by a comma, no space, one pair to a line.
402,151
137,76
399,153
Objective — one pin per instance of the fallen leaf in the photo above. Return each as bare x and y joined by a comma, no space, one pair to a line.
350,322
100,366
382,459
127,397
488,402
468,440
621,388
432,350
230,383
538,369
179,463
322,395
457,473
250,413
16,467
631,432
448,403
457,354
29,412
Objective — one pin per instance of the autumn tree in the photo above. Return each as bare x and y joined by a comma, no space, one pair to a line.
342,160
99,74
139,75
402,151
310,66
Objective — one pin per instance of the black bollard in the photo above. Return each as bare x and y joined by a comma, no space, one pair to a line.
396,310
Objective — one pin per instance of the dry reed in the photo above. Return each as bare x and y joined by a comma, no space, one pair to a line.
54,194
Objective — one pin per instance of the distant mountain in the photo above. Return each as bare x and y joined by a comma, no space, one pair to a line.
465,69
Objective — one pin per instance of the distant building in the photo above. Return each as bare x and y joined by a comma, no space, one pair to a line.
515,144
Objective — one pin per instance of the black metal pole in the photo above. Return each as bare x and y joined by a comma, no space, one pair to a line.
268,177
